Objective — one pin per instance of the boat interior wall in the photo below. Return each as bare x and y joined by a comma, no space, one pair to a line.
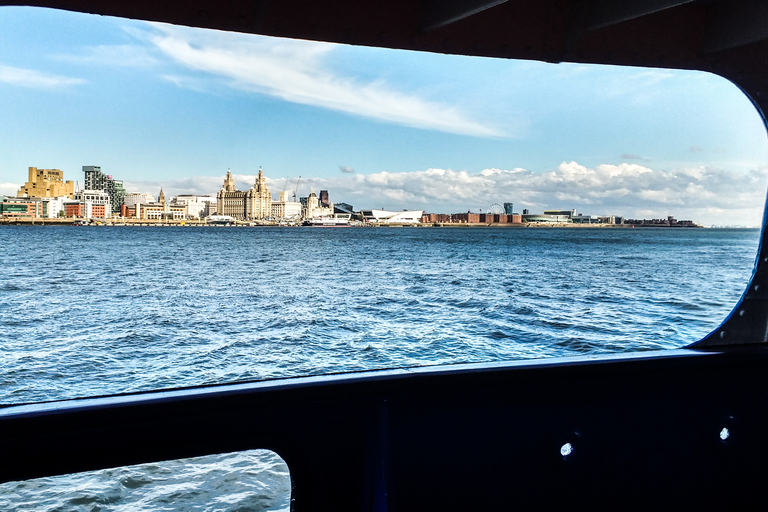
676,429
672,429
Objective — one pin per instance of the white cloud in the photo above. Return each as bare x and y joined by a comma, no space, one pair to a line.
637,88
35,79
204,185
706,195
121,55
296,71
187,82
9,189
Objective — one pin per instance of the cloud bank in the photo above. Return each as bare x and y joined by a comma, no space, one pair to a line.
297,71
9,189
35,79
702,194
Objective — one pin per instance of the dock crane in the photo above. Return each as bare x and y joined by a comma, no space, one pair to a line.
297,189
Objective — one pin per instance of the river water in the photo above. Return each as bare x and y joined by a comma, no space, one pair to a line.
103,310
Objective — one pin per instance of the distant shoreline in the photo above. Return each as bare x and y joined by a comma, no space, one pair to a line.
149,223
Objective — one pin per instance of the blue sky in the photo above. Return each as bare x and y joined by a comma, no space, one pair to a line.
157,105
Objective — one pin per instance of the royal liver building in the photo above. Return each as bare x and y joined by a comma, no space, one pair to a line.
256,203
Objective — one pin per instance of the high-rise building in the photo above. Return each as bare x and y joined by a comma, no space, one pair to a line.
508,208
325,202
118,196
46,183
97,180
94,178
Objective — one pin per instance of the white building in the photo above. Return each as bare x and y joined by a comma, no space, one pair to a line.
135,198
285,209
91,198
54,206
314,209
387,217
198,207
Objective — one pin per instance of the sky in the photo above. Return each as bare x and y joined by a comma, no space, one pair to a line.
157,105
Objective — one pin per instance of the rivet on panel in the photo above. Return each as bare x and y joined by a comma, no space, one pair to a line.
741,312
566,450
756,287
725,434
722,334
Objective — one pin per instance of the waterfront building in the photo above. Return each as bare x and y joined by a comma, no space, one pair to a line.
314,208
285,209
597,219
21,207
118,195
550,218
135,198
98,203
585,219
198,207
46,183
87,210
255,203
52,206
161,210
509,208
387,217
97,180
561,213
670,221
436,217
466,218
89,204
343,208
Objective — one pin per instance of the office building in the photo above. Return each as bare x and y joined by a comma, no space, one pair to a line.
46,183
97,180
255,203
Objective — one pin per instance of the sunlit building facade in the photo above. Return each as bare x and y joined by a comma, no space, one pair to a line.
46,183
253,204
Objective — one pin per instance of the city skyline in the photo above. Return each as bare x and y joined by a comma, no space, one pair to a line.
172,107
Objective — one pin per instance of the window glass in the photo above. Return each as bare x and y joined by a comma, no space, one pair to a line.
562,202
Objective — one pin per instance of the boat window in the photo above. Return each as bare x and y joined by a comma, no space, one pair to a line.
550,210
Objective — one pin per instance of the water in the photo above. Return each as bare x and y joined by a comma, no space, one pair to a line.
94,311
